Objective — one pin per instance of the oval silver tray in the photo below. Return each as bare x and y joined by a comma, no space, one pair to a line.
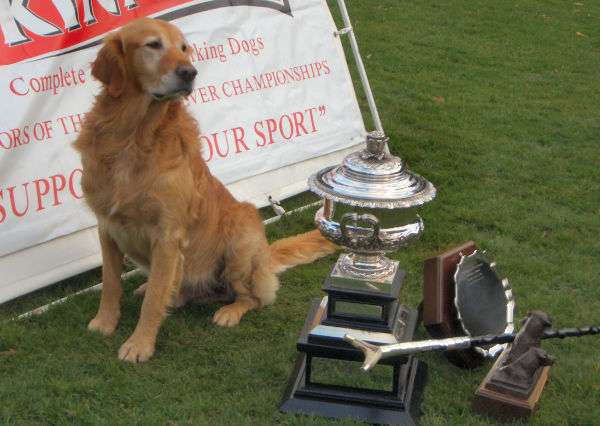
484,302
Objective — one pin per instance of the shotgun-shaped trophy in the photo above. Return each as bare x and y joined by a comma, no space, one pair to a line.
514,385
373,353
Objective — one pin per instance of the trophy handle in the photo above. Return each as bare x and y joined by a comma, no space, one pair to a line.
355,218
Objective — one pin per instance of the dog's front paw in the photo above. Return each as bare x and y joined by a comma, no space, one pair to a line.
105,324
228,315
136,350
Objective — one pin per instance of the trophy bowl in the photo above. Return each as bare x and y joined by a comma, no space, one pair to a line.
366,245
366,239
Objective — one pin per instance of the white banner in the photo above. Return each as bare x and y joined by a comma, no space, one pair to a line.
273,99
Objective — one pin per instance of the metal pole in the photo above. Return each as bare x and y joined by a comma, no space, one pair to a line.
359,64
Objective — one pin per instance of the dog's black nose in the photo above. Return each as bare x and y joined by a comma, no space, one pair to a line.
186,72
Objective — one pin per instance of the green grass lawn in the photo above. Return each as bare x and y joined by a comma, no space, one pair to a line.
497,103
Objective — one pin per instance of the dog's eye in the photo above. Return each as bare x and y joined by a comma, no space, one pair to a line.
156,44
183,47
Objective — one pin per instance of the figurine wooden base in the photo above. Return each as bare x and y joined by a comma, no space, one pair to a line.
439,314
505,405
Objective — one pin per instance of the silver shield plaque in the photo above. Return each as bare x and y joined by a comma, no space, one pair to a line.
484,302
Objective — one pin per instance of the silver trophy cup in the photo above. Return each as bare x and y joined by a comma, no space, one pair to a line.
370,210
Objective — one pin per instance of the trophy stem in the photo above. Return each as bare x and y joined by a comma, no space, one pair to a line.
374,267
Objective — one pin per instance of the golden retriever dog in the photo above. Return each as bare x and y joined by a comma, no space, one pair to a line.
156,201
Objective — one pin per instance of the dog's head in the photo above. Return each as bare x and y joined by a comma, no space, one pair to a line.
149,56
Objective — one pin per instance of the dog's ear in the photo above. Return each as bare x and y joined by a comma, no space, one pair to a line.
109,66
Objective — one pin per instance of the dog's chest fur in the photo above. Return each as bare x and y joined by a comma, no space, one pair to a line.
137,205
131,197
156,186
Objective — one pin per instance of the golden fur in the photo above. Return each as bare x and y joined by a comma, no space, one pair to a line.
156,201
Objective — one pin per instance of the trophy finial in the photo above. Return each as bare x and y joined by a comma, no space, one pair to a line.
376,146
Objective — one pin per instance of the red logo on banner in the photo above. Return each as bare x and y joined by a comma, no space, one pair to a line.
39,28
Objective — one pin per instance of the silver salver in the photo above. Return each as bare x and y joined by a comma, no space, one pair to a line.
484,303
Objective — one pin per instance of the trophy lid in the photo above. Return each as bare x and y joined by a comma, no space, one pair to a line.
372,178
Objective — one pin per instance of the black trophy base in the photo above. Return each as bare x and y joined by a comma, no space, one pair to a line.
306,395
359,404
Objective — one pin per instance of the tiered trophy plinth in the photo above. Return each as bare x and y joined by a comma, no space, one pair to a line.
369,210
397,397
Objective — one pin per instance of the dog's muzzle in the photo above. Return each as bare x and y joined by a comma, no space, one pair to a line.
186,75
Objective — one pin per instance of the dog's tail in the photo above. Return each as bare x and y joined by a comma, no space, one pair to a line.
299,249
